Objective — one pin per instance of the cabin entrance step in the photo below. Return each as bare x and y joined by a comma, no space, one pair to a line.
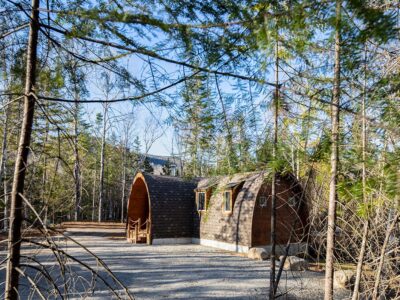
138,232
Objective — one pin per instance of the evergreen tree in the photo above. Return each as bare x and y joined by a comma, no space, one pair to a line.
196,124
167,168
147,167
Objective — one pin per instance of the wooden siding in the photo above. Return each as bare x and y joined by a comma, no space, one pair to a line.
138,205
174,214
288,216
234,228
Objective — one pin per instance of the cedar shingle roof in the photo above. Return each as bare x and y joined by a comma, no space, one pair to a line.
229,180
172,201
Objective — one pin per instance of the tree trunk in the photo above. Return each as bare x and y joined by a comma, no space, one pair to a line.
364,188
293,163
14,237
111,204
44,176
123,180
274,176
229,135
382,256
102,156
43,187
3,164
298,164
94,195
5,187
330,244
360,261
77,170
292,233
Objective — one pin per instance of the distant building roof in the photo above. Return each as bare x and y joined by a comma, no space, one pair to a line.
159,161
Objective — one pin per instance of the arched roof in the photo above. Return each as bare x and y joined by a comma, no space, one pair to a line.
236,227
172,204
248,219
173,211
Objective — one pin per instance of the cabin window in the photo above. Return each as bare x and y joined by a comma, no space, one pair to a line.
228,201
263,201
201,201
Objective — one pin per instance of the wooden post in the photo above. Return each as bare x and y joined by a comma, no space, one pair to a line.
137,230
14,236
128,229
148,241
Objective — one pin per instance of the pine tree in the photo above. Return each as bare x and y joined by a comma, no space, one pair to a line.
147,167
14,239
167,168
196,124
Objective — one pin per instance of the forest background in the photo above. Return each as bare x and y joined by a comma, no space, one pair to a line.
302,87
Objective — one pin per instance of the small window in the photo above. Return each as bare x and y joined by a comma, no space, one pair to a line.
227,201
263,201
201,201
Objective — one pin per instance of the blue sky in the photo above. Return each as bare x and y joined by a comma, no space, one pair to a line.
142,115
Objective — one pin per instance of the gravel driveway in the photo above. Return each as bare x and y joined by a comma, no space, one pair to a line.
181,272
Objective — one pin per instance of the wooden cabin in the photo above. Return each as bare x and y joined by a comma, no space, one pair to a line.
227,212
160,209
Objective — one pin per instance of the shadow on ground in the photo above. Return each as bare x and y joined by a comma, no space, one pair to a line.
173,272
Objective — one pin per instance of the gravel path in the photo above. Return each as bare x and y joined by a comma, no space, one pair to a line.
184,272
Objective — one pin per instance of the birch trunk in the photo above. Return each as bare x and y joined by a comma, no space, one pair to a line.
330,244
14,237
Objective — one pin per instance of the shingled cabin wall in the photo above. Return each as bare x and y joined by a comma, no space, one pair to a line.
171,206
175,218
233,228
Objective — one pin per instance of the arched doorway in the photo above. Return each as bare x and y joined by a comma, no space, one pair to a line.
138,220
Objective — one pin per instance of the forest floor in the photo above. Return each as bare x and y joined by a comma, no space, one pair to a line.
178,272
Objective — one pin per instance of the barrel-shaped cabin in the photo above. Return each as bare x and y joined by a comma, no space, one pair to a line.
228,212
160,209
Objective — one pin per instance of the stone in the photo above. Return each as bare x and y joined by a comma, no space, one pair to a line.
344,279
294,263
257,253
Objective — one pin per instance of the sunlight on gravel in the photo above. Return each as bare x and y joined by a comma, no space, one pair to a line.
195,272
